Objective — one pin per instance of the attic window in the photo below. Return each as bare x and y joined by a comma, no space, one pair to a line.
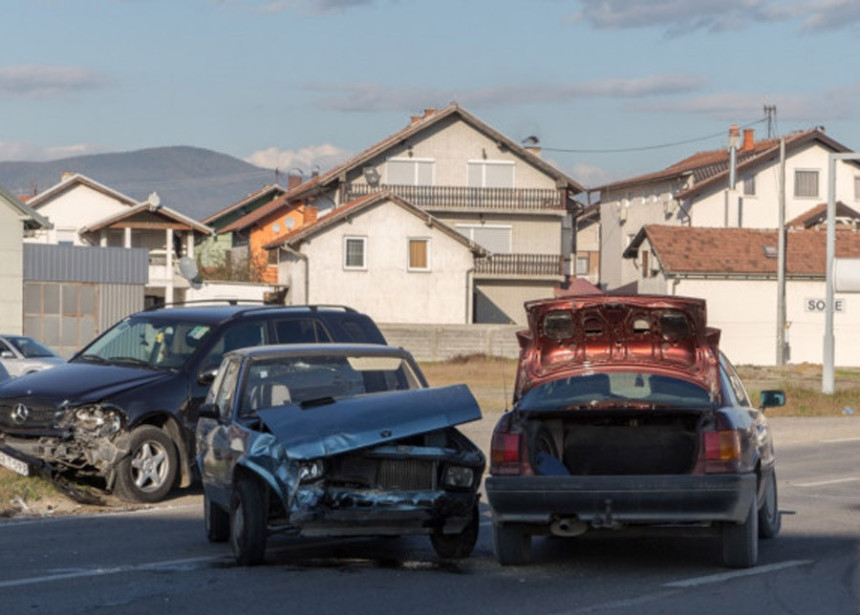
770,252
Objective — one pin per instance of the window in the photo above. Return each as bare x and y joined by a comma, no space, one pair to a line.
749,185
409,172
581,265
301,331
496,239
353,253
419,255
490,174
272,258
857,187
805,183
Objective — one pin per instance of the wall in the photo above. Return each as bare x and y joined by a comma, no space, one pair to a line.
385,290
74,208
501,301
11,267
215,289
443,342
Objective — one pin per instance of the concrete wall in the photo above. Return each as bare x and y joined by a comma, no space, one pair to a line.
442,342
386,290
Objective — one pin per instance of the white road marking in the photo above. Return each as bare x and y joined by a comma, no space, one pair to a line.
725,576
98,572
840,440
835,481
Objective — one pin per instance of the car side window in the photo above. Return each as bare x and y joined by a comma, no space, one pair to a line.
4,347
301,331
227,389
735,385
237,335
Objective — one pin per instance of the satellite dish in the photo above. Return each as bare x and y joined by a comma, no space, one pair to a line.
371,176
188,270
289,223
154,199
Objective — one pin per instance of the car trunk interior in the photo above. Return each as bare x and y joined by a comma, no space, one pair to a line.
611,443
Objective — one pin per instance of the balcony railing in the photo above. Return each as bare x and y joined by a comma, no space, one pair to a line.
535,265
463,197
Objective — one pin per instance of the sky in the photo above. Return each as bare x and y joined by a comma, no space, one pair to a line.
611,88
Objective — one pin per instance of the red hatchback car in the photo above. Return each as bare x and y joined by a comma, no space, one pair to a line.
626,413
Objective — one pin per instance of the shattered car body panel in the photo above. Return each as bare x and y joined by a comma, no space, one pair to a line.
383,459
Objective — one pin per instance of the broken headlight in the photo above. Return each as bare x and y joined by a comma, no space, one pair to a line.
310,471
97,420
459,477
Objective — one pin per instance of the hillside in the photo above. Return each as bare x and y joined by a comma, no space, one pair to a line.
194,181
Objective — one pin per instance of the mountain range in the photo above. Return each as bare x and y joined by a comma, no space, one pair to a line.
194,181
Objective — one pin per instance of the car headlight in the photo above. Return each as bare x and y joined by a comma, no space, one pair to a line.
459,477
310,471
98,420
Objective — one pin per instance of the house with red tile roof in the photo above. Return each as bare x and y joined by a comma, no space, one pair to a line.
383,256
695,192
493,191
735,269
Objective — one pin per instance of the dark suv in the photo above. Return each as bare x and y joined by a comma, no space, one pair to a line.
125,407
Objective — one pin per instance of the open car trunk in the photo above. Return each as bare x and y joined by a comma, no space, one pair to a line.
613,442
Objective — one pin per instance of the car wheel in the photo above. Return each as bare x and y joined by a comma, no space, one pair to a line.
148,472
216,519
460,545
769,519
740,541
512,544
248,522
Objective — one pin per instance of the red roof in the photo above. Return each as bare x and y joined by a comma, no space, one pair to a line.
739,251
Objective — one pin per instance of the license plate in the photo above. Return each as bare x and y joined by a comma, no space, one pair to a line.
16,465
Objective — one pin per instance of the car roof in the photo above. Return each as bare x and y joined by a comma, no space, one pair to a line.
214,314
291,350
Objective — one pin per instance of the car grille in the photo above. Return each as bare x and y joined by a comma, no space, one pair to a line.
35,415
407,475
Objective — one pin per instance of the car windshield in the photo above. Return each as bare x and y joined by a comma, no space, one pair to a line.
30,348
275,381
620,389
148,343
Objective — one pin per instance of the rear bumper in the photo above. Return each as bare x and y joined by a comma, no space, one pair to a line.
608,500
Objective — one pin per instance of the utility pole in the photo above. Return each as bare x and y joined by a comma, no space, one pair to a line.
780,267
770,112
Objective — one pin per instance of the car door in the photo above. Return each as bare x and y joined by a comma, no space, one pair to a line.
218,448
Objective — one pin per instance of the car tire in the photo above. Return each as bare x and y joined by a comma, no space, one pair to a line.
512,544
248,522
148,472
769,519
740,541
216,520
461,544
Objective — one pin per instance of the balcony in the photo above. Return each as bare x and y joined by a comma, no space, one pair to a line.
520,266
447,198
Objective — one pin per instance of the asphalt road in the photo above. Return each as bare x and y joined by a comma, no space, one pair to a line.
158,560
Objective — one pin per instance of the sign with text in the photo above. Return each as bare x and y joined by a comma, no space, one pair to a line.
820,305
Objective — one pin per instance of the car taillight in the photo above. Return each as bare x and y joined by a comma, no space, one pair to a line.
722,451
505,453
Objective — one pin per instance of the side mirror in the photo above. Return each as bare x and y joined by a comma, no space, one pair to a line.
209,411
207,376
7,354
772,399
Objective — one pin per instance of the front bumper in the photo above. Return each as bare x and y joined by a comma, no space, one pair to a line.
610,500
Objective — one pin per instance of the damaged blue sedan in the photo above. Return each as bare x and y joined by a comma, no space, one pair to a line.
336,440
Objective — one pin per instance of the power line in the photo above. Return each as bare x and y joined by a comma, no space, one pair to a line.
647,147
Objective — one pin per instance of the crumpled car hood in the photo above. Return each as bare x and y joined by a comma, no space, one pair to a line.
80,382
363,421
574,336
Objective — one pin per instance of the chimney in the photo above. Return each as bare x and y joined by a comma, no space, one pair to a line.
66,175
415,119
734,136
534,149
749,140
309,215
294,181
429,111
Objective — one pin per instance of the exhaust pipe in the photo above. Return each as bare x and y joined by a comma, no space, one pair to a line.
568,527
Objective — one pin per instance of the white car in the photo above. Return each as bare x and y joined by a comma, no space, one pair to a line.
23,355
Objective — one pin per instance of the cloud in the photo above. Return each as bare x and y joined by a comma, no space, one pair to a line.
308,7
677,17
19,151
834,104
40,82
375,97
322,157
